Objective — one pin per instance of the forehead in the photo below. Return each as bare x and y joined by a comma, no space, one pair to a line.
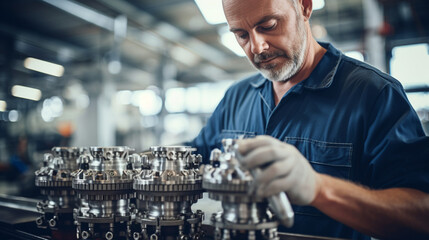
251,11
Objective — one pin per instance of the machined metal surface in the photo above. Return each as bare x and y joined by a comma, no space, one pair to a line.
243,216
166,187
104,183
54,179
17,216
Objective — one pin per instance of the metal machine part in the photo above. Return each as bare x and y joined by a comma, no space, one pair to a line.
243,216
166,187
279,203
104,183
55,182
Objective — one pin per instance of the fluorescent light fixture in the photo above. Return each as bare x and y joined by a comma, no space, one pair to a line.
228,40
124,97
13,116
148,101
114,67
44,66
175,100
193,100
212,11
318,4
3,106
184,56
26,92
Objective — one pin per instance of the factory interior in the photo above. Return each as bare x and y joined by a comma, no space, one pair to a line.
124,76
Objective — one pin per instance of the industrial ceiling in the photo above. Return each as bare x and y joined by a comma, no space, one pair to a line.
86,36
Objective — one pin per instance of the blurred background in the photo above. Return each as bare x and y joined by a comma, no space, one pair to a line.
140,73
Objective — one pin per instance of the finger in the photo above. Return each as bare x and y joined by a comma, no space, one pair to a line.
263,155
288,183
279,169
246,145
268,184
273,188
285,183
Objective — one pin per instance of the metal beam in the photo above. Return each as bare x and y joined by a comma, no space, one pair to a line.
169,32
85,13
164,31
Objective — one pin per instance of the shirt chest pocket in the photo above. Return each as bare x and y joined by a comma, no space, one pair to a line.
330,158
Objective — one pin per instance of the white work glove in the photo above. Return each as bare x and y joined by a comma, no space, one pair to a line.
287,171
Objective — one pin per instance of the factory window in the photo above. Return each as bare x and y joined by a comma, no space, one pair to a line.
356,55
409,64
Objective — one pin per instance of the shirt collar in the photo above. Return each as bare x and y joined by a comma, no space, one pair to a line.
258,80
321,77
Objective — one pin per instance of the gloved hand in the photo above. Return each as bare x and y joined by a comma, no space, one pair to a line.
287,171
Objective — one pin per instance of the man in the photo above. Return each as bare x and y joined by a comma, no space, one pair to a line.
342,139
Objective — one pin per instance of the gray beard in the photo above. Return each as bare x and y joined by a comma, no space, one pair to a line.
289,69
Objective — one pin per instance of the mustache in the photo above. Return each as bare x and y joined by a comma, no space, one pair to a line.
258,58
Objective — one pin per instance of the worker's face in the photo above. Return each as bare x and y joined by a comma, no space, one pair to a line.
271,32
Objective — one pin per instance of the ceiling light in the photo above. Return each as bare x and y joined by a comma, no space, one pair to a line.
13,116
175,100
148,101
3,106
114,67
184,56
26,92
318,4
124,97
212,11
44,67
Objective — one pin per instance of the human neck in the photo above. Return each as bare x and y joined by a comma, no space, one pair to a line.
313,55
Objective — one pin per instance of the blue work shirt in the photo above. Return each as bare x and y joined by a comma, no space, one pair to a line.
347,118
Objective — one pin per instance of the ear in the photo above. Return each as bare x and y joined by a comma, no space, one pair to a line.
307,8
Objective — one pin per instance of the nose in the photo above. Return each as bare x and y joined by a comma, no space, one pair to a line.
258,43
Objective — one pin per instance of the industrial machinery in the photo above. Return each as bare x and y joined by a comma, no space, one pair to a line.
119,195
168,184
244,216
55,182
104,181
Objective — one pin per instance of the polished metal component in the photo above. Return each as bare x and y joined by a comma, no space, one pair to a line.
104,183
243,216
166,187
55,182
279,203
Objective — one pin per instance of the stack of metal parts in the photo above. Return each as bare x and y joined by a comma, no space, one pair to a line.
105,184
244,216
54,179
168,184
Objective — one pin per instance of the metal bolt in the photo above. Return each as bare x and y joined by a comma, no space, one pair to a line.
154,237
39,221
85,235
136,235
109,235
52,223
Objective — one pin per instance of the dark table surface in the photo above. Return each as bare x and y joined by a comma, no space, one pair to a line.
18,221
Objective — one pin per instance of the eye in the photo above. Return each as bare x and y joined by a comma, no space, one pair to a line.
241,35
267,27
